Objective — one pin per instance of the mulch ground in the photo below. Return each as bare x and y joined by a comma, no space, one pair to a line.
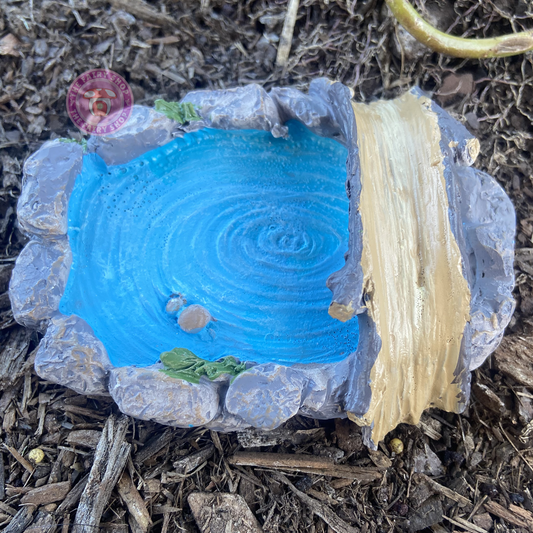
471,472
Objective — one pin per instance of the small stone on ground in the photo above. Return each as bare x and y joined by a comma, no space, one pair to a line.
220,513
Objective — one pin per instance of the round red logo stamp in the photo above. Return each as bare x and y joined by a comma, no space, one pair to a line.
99,102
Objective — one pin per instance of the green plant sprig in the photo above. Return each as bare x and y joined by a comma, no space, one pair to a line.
181,363
82,143
178,111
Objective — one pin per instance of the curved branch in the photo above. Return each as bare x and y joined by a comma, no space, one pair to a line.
438,41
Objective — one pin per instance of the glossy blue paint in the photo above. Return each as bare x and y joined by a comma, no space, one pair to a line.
246,225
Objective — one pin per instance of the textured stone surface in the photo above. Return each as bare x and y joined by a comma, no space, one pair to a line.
313,109
323,395
266,396
347,283
38,281
225,421
248,107
145,130
49,176
490,227
148,394
483,221
71,355
222,513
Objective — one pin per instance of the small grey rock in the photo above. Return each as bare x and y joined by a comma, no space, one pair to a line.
145,130
310,109
38,281
322,398
249,107
49,176
427,462
149,394
267,395
71,355
221,513
427,515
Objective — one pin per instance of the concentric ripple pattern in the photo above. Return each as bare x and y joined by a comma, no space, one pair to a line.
246,225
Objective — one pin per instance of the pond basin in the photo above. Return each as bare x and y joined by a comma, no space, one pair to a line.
246,225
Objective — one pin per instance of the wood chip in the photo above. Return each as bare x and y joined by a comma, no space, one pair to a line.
44,522
305,463
340,483
254,438
136,506
513,358
77,410
165,509
194,460
522,513
13,356
441,489
216,513
461,522
488,398
483,520
55,492
510,515
430,427
84,437
173,76
109,460
170,39
7,509
21,520
323,511
144,11
9,46
519,452
19,458
380,459
156,444
455,84
73,497
2,477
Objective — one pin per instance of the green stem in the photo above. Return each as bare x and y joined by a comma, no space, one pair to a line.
438,41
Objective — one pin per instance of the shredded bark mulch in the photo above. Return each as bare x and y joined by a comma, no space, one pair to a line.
73,463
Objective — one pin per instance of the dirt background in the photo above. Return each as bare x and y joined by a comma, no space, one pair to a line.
481,460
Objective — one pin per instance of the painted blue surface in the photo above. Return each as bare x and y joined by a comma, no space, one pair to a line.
246,225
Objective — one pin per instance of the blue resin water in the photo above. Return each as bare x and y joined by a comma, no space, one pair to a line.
246,225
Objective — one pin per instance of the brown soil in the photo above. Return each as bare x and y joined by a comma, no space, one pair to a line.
479,464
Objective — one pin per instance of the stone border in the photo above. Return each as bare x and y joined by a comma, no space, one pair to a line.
269,394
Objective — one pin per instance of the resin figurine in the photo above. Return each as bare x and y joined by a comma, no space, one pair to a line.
277,254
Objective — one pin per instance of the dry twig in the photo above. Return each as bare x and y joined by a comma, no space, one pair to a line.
305,463
285,40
